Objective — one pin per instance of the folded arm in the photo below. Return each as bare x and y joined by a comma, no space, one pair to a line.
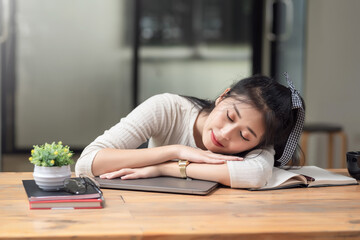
109,160
211,172
253,172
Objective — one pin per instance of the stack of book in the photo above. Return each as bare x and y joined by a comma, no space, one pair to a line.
40,199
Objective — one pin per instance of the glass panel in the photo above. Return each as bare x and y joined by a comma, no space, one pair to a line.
291,43
73,69
194,48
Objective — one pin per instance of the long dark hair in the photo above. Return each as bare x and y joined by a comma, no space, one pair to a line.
274,101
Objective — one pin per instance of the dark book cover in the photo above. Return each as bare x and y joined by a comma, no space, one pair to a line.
35,193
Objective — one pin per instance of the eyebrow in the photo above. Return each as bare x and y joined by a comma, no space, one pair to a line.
237,111
239,115
253,133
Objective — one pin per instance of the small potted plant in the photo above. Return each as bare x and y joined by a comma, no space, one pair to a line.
52,165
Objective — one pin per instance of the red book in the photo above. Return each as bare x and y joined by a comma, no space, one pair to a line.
67,204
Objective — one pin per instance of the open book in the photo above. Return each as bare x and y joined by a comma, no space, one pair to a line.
307,176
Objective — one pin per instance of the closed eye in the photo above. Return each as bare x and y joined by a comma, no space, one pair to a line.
244,137
227,114
231,120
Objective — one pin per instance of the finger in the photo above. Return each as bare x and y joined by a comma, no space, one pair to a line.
116,174
106,175
235,159
227,157
130,176
222,161
214,161
110,175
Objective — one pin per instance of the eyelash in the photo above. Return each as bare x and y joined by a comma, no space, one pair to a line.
227,114
231,120
244,137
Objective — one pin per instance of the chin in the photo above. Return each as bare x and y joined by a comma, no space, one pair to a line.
219,150
227,153
216,149
209,146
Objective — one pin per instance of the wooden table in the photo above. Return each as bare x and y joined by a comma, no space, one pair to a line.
313,213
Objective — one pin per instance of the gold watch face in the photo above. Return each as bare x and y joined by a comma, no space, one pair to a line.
183,163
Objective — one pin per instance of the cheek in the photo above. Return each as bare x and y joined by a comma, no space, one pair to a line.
242,146
212,121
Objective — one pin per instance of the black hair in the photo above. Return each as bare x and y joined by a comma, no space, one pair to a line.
274,101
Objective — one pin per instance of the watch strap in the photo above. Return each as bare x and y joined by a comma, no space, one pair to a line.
182,166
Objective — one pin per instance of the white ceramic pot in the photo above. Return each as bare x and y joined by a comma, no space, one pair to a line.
51,178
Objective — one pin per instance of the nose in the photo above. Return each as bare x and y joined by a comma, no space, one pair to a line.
227,131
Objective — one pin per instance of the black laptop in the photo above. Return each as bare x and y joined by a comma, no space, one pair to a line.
161,184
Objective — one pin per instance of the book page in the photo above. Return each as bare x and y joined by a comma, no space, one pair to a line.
282,178
323,177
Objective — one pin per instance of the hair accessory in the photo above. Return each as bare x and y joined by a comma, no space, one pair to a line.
296,131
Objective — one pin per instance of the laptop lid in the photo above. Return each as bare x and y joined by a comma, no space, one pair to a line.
161,184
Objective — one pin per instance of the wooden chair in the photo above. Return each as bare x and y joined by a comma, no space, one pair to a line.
332,131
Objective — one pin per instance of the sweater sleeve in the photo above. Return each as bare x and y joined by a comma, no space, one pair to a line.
254,171
136,128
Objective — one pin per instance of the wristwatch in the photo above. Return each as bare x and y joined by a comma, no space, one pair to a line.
182,166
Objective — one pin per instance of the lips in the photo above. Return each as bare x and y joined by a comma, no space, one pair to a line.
214,140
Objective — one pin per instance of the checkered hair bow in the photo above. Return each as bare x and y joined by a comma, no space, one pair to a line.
296,131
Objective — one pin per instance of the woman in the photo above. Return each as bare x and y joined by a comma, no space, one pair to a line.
233,140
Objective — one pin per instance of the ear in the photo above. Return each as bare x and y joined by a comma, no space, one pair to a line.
222,96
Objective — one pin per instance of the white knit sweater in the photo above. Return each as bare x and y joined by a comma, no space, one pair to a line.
168,119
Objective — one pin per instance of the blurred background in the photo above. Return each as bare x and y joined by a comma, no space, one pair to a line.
70,69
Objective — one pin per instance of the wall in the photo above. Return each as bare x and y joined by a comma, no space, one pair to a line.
202,78
73,70
332,69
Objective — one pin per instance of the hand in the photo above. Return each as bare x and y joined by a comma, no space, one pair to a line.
201,156
133,173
